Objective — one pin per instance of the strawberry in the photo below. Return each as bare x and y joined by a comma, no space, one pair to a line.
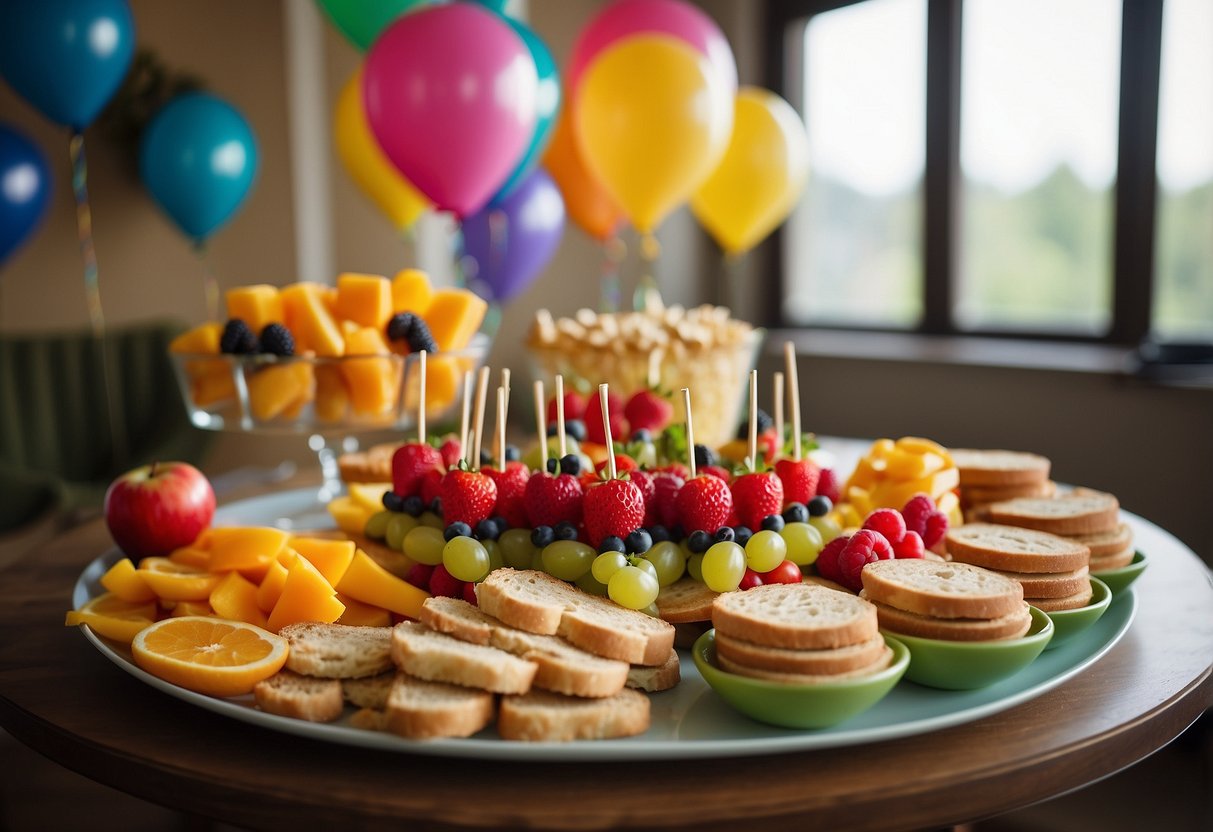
704,503
648,410
755,496
614,507
677,469
550,500
410,463
467,496
717,471
799,479
431,485
768,445
594,429
663,505
574,407
451,452
623,462
828,485
511,492
644,481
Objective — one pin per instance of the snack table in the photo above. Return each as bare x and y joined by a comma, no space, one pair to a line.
62,698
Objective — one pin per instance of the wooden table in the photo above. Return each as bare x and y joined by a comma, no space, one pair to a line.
59,696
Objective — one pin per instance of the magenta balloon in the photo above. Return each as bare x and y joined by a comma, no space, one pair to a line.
450,95
669,17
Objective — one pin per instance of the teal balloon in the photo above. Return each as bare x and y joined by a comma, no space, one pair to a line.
66,57
547,107
494,5
361,21
198,158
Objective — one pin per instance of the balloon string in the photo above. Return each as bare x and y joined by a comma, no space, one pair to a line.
613,252
647,297
210,284
457,256
92,296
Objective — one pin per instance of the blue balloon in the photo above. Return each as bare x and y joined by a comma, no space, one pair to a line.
25,189
66,57
198,157
513,242
547,106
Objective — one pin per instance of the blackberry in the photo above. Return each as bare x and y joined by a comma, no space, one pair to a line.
277,340
565,530
576,429
699,542
541,536
456,529
820,506
570,464
487,530
419,337
237,338
704,455
400,325
724,534
772,523
639,542
612,543
796,513
393,502
742,535
765,423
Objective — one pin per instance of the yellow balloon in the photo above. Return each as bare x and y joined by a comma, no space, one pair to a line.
652,121
368,165
761,176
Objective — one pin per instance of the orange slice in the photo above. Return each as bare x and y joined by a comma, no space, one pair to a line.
174,582
111,617
209,655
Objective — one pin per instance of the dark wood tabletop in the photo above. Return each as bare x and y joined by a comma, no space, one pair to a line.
61,697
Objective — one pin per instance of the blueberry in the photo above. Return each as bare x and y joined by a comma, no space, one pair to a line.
486,530
501,523
552,465
570,464
565,530
642,435
486,459
677,532
436,505
400,325
412,506
457,529
639,542
276,340
796,513
659,533
512,453
541,536
554,429
612,543
576,429
742,535
723,535
237,338
765,423
772,523
820,506
704,455
699,541
393,501
419,337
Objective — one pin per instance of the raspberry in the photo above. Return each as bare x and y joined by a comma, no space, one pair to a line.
864,547
237,338
916,512
887,521
419,575
828,485
827,559
469,594
442,583
276,340
909,546
937,527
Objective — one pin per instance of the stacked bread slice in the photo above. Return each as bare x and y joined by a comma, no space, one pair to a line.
798,634
949,601
1052,570
1086,516
991,476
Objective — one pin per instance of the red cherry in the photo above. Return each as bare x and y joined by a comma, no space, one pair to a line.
750,579
785,573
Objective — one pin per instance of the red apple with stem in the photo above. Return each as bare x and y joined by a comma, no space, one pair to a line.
157,508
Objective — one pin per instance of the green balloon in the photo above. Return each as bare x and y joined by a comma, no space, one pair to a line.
361,21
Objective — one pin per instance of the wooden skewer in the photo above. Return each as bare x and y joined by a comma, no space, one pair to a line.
753,420
778,414
686,406
789,357
498,445
606,424
541,421
482,392
465,420
421,398
501,428
564,449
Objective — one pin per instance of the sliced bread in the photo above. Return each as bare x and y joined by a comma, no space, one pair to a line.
656,678
541,716
955,629
800,662
795,616
998,468
941,590
1050,584
539,603
882,660
1107,543
1114,561
1070,602
974,495
371,465
300,697
420,709
1081,511
369,691
437,657
338,651
686,600
1014,549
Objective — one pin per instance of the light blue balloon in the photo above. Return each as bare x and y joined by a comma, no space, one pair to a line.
547,106
66,57
198,157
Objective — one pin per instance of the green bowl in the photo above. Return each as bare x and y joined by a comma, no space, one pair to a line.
1118,580
798,706
968,665
1069,623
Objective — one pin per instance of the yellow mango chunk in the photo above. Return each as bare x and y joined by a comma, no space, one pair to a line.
369,495
443,381
193,557
370,583
330,557
454,316
270,589
412,292
919,445
235,598
905,465
181,608
310,321
113,618
201,340
365,299
212,384
306,596
273,390
245,548
358,614
892,494
174,582
125,582
349,515
374,383
258,305
332,397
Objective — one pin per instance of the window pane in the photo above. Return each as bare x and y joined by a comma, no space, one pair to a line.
853,248
1039,97
1183,289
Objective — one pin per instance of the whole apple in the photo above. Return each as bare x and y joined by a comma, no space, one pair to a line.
157,508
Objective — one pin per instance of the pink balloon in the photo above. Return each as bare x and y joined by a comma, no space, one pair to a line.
670,17
450,95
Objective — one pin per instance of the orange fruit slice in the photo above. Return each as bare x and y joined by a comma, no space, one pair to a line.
111,617
172,581
209,655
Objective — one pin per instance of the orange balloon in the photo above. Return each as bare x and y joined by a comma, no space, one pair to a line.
585,200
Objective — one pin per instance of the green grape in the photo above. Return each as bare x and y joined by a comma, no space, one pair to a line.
826,527
607,564
398,527
765,550
496,559
424,545
516,548
804,542
643,565
376,526
695,566
568,560
633,588
591,584
723,566
429,518
537,561
667,559
652,610
466,558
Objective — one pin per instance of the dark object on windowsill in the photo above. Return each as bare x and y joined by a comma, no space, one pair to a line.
1176,362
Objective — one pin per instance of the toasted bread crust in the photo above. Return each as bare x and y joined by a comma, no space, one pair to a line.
998,468
941,590
956,629
686,600
369,691
1079,512
371,465
437,657
548,717
882,660
1070,602
1103,544
1050,584
828,662
655,679
300,697
338,651
420,709
974,495
1014,549
795,616
1115,561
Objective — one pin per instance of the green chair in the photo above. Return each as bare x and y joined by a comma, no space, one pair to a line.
55,439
